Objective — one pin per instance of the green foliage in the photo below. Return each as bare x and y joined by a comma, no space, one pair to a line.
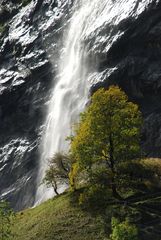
123,230
134,172
2,28
58,171
25,2
73,175
94,197
108,133
6,220
109,115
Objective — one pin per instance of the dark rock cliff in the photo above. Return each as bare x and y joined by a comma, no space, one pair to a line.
135,60
28,46
30,37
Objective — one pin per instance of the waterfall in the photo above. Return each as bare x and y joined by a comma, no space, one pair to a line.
70,92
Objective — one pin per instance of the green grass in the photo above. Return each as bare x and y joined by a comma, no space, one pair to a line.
57,220
62,218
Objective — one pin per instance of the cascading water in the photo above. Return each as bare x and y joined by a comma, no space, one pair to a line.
70,92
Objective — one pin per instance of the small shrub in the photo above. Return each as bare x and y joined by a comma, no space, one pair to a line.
94,196
25,2
2,28
6,220
123,230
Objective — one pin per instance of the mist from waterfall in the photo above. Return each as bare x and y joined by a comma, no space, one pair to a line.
70,92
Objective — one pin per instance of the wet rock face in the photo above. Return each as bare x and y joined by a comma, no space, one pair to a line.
127,50
133,62
25,79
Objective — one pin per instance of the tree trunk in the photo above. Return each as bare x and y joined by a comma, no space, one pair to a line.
54,185
55,190
112,166
114,190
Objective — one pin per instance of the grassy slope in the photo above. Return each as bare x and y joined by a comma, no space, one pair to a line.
57,220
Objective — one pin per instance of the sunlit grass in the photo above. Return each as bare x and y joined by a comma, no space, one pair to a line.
57,219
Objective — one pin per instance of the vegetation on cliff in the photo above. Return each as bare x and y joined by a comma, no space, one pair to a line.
113,194
105,165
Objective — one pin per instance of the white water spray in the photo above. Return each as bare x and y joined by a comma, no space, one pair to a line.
70,93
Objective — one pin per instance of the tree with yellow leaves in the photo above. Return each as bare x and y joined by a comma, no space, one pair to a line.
107,135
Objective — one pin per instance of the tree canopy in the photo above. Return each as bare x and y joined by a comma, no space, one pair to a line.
108,133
